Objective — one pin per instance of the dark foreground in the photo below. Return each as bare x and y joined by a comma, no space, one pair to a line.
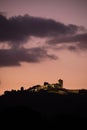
43,110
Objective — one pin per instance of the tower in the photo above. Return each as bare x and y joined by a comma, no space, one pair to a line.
22,88
60,83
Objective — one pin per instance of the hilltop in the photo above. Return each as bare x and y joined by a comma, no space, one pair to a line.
56,88
50,103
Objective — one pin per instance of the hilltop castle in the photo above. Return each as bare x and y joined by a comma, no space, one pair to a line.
55,87
47,86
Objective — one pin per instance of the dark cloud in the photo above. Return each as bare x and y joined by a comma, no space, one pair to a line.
18,29
78,40
72,48
65,39
3,13
12,57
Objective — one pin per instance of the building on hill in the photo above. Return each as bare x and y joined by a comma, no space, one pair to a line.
60,83
53,86
22,88
47,86
35,88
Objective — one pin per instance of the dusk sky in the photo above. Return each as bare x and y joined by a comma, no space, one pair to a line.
43,40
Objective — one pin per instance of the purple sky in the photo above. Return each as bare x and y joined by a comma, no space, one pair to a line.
67,11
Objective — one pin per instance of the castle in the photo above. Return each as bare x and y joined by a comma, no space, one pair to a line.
56,87
47,86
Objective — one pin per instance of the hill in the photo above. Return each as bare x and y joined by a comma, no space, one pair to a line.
49,105
43,108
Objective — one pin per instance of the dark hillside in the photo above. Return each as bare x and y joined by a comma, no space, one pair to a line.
50,108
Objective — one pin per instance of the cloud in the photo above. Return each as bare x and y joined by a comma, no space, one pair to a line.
18,29
12,57
78,41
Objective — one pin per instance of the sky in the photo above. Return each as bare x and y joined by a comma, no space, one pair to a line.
43,40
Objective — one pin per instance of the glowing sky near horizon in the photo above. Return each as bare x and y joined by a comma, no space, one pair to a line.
71,62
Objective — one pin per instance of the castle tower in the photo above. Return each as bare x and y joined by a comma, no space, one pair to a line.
60,83
22,88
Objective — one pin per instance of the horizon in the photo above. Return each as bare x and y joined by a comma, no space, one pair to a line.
45,86
42,40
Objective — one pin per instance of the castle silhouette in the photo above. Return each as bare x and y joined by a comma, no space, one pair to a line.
47,86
